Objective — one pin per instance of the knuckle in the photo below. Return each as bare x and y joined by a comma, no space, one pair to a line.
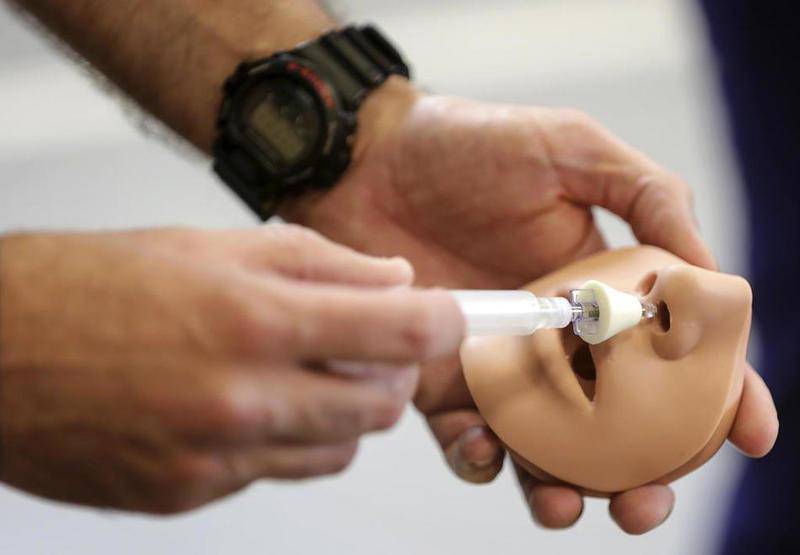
323,465
294,235
341,459
190,472
182,234
578,118
244,333
682,187
302,471
182,485
234,410
174,503
665,189
288,332
248,331
185,239
327,461
295,250
308,467
666,181
581,132
285,328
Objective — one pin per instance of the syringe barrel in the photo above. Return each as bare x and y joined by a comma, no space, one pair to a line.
511,312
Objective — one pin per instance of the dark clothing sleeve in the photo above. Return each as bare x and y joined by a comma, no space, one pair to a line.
757,43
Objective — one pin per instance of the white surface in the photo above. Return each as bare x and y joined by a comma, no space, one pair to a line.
618,311
70,159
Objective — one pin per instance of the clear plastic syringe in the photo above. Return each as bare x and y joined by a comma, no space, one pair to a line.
596,311
513,312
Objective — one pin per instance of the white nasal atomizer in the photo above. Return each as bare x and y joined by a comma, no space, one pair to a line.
597,312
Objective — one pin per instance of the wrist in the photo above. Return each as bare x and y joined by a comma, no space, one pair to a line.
293,123
383,111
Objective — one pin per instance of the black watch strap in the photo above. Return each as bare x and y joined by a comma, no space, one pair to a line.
355,59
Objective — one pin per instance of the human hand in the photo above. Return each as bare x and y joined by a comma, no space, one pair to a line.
487,196
158,370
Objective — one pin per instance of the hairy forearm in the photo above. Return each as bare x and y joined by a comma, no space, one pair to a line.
172,56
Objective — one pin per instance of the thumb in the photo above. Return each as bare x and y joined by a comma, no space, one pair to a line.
600,170
661,214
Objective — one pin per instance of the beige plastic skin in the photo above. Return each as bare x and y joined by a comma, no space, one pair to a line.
665,394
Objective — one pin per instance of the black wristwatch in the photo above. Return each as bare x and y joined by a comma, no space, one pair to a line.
287,121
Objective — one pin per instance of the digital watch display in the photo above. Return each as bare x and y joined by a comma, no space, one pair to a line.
286,121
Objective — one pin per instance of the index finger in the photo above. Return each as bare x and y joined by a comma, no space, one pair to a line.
398,325
755,429
656,204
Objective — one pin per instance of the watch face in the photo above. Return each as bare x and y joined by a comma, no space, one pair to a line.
283,118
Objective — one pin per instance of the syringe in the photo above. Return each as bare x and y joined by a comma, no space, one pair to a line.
596,311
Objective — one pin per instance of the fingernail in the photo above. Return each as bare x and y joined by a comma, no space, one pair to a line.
666,516
483,464
481,460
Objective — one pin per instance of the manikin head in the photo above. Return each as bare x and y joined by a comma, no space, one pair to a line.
650,404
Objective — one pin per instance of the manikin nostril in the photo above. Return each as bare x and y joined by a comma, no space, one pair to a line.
580,361
585,370
663,317
583,363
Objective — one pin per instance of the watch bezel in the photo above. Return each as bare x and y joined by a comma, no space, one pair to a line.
339,68
326,102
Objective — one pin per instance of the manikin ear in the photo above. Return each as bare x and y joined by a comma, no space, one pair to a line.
694,305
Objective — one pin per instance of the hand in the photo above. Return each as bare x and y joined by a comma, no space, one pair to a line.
159,370
486,196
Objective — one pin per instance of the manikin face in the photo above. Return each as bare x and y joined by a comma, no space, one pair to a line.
650,404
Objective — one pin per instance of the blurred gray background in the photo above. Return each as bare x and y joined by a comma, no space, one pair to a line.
73,156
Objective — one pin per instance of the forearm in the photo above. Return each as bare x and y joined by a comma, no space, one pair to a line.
172,56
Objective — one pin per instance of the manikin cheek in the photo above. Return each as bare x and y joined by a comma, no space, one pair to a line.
605,419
